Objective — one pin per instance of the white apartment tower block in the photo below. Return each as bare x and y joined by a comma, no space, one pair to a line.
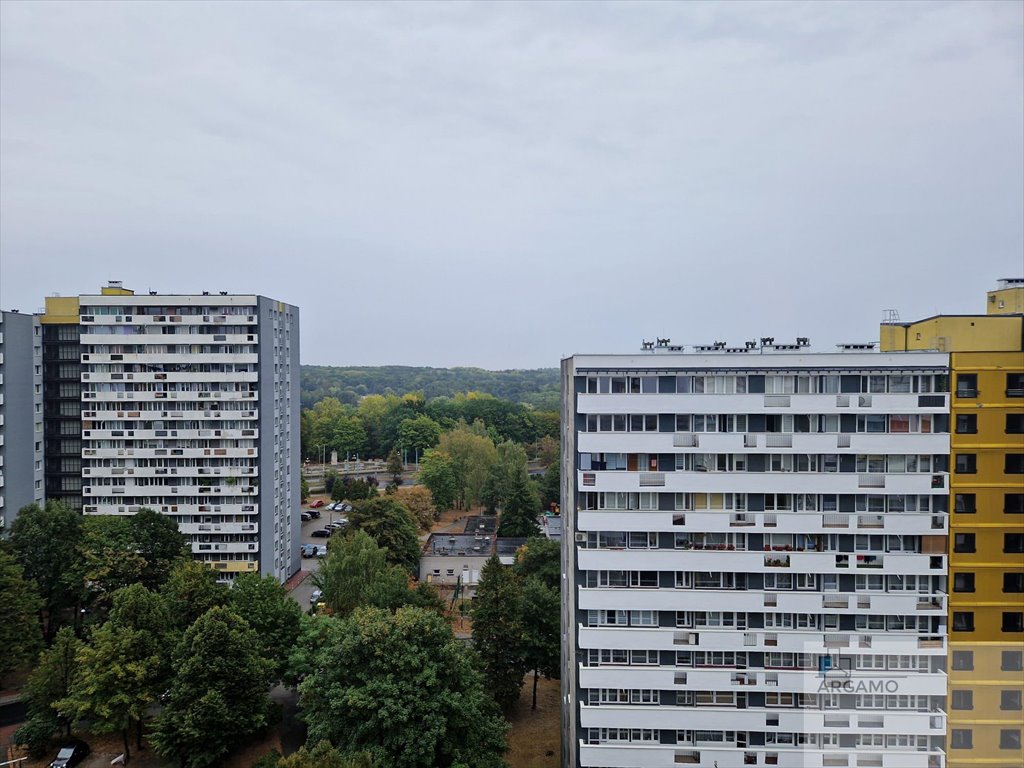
190,406
754,559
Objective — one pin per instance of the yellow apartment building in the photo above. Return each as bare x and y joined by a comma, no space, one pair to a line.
986,558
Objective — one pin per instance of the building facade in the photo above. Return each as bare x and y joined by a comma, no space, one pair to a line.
755,558
190,406
986,554
21,414
62,397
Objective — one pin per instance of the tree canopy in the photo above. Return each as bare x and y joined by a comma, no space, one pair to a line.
20,635
219,694
391,525
498,634
272,614
402,688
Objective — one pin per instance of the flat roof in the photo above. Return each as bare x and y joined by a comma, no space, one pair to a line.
483,524
458,545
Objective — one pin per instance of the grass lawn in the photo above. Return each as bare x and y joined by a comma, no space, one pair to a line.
535,738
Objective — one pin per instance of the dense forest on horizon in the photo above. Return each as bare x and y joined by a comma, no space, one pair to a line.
538,387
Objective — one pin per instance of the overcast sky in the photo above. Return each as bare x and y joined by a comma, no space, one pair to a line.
501,185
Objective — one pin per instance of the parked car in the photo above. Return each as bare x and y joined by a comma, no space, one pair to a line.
321,533
318,503
344,507
314,598
304,516
71,754
314,513
322,553
307,550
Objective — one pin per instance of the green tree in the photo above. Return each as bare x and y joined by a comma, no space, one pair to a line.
323,755
519,514
20,634
304,488
108,560
50,683
124,668
498,634
551,486
437,472
156,538
541,630
356,572
330,480
401,687
395,466
219,695
391,525
275,617
540,558
472,453
190,591
353,490
419,433
45,542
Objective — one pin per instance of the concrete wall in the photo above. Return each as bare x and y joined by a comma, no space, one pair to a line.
21,414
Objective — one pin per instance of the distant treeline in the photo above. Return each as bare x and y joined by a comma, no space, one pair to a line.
538,388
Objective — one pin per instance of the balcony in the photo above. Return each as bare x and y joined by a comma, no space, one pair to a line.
776,562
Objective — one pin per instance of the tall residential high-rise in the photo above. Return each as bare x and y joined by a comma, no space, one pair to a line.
755,557
986,556
62,396
21,414
190,406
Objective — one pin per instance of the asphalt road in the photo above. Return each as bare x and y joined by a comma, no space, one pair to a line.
302,592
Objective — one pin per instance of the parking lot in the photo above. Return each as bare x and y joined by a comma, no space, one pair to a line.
312,564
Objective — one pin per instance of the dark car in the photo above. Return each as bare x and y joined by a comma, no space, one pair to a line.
71,754
304,516
321,533
314,513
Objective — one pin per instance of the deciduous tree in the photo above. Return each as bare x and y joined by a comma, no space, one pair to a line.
20,632
420,433
124,667
190,591
49,683
45,543
265,604
541,630
401,687
219,695
420,503
437,473
391,525
157,539
323,755
541,558
356,572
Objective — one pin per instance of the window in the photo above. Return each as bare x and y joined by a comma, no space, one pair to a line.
963,542
1013,543
1013,621
967,385
960,738
963,582
1009,738
1010,700
1015,423
966,464
1012,661
963,621
963,700
1015,385
963,661
1013,583
1013,464
965,503
967,423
